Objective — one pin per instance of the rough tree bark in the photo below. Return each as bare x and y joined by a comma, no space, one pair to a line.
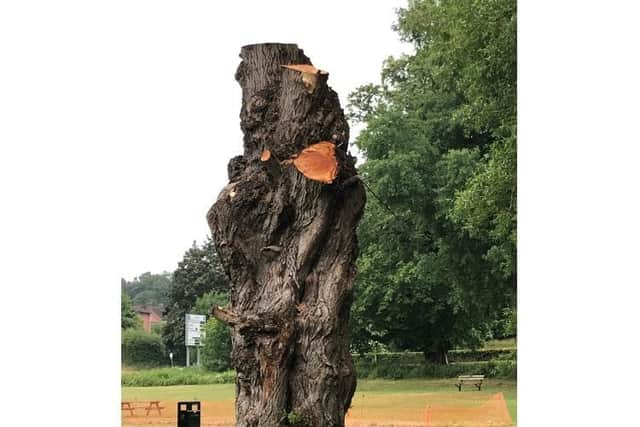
288,244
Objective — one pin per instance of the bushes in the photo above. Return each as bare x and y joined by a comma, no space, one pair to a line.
481,355
416,358
142,349
499,363
492,369
175,376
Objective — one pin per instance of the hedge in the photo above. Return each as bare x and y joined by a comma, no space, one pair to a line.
493,369
140,348
415,358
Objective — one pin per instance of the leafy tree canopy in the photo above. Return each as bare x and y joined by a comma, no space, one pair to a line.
437,264
149,289
128,317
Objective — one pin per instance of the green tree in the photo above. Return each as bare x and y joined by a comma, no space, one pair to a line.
199,272
128,317
209,299
437,263
149,289
216,349
216,344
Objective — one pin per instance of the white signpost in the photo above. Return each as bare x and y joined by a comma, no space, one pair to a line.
193,333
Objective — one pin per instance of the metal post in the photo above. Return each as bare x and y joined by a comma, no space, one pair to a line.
188,361
198,356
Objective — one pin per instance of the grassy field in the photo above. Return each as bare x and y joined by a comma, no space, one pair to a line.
376,402
504,343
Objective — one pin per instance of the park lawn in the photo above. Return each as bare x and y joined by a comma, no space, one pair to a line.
501,344
374,399
209,392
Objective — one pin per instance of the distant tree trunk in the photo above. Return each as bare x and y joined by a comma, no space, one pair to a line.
288,244
437,356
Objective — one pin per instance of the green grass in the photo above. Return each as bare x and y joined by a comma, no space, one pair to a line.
370,395
501,344
211,392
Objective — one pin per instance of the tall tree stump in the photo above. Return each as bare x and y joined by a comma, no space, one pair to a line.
288,244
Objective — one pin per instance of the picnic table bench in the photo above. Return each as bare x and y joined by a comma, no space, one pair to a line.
148,406
476,380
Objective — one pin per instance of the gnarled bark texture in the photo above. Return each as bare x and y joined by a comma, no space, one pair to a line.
289,246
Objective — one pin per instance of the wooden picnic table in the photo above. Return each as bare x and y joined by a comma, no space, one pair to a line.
148,406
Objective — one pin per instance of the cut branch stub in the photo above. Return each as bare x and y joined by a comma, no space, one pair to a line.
288,244
317,162
309,73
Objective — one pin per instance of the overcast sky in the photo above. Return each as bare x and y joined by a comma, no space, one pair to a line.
122,116
180,103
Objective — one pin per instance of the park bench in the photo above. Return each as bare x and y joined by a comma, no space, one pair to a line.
476,380
148,406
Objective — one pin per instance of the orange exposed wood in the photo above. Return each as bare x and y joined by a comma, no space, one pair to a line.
318,162
304,68
266,155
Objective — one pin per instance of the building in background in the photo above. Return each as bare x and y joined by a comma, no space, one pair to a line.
149,315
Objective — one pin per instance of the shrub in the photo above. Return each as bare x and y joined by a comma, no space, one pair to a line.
140,348
415,358
481,355
216,348
385,370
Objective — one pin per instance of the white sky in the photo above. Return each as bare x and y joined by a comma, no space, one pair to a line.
179,103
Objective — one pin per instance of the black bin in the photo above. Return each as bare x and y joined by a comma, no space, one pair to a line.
188,414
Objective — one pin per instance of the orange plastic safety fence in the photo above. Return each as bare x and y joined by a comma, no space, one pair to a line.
493,412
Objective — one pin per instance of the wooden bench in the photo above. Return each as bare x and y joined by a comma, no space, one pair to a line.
148,406
476,380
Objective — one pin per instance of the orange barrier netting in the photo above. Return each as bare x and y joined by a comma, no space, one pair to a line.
492,413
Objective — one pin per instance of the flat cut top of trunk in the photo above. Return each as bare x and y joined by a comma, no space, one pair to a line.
288,245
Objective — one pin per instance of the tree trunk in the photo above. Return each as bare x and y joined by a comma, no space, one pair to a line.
288,244
438,357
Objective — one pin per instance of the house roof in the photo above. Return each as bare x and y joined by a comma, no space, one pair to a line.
148,310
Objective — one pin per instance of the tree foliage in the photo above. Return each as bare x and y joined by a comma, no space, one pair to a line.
438,242
209,299
149,289
199,272
216,344
128,317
